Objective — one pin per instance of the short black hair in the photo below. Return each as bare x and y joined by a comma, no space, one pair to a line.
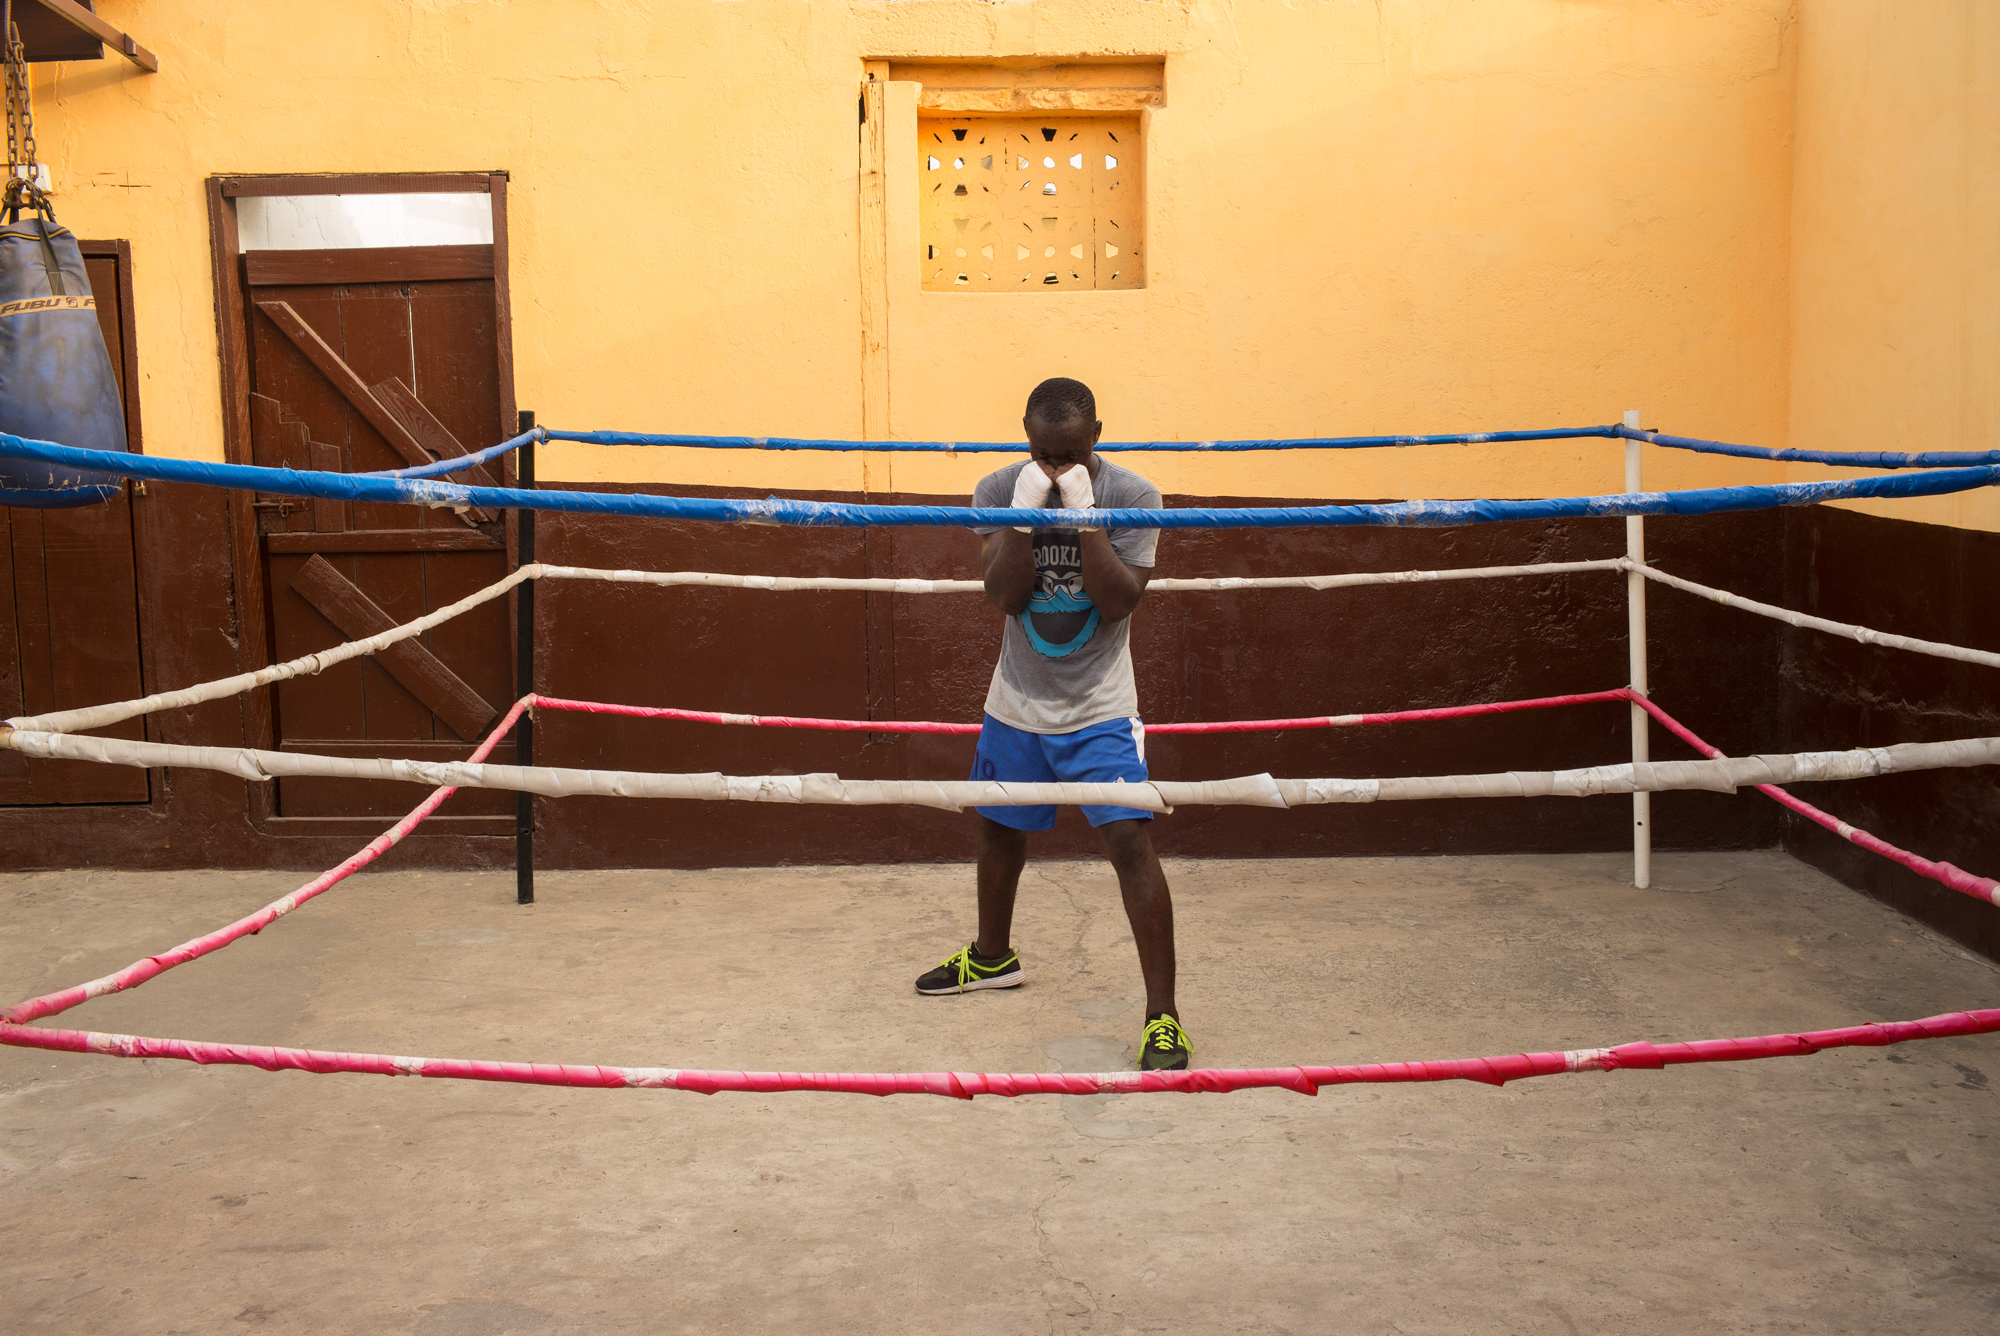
1060,400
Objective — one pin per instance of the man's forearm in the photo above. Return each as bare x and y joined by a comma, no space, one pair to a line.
1106,578
1008,569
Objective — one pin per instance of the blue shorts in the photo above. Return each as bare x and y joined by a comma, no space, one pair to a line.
1107,753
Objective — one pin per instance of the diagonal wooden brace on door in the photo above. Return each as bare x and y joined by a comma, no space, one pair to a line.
331,365
401,401
389,424
356,615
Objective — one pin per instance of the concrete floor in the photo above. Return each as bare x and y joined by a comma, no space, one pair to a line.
1852,1191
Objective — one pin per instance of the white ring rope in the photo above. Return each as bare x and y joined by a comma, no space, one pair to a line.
1208,584
1722,776
1806,620
781,583
103,716
90,717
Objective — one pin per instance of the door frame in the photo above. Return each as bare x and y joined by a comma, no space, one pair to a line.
149,611
121,251
233,344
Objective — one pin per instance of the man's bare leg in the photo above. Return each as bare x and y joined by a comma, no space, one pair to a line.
1003,852
1148,907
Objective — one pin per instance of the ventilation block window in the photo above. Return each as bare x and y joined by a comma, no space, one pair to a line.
1030,205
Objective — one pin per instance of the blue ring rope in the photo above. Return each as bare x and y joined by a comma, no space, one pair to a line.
1874,459
1106,447
1857,459
1879,459
778,510
460,463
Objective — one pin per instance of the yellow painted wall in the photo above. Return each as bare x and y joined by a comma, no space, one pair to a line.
1418,218
1363,217
1896,237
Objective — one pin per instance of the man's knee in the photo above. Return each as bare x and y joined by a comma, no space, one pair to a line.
1001,838
1127,843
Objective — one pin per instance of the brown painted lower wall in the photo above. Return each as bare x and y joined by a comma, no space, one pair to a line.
1205,656
1919,580
188,633
1199,657
1736,679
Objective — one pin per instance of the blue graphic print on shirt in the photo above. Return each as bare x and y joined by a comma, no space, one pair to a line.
1060,619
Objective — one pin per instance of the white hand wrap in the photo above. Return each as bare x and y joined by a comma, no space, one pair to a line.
1031,491
1075,488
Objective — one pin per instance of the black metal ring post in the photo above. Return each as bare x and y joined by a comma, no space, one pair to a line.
524,671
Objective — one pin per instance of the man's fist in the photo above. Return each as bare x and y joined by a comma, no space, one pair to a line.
1075,488
1031,491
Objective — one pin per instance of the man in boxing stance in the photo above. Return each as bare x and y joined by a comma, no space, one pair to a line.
1063,705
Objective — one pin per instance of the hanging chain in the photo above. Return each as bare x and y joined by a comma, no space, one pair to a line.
23,189
20,111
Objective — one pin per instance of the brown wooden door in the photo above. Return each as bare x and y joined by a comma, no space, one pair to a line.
69,598
364,360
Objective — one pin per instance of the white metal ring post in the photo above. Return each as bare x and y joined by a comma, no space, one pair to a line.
1635,612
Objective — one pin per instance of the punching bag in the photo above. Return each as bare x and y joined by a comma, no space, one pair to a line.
56,381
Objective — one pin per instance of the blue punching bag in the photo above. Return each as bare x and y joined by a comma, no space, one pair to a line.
56,381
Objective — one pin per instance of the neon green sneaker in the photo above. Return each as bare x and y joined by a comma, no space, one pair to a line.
1166,1047
965,970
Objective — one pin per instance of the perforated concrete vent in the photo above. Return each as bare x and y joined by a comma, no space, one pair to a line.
1030,204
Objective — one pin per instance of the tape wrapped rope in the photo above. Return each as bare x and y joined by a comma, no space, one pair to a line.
1958,879
810,443
1169,584
546,702
1304,1080
151,966
45,736
1722,776
1807,621
1853,459
1945,874
103,716
1877,459
16,1030
781,511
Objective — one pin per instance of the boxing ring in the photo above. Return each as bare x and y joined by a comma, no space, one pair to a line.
62,734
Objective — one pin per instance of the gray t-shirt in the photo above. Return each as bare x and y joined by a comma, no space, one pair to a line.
1061,668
